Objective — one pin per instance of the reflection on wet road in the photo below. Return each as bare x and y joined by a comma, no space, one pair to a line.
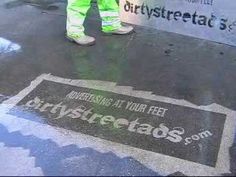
7,46
72,160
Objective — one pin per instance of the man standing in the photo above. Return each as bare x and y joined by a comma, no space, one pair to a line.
109,12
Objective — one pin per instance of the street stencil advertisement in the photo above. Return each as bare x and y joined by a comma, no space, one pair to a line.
175,134
213,20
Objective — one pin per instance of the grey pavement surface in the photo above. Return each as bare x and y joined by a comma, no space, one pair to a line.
32,42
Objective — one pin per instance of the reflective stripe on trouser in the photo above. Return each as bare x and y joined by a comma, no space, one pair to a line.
77,10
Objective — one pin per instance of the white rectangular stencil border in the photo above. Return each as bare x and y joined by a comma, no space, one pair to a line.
158,162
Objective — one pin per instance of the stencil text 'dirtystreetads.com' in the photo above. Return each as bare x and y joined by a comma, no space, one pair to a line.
88,115
195,18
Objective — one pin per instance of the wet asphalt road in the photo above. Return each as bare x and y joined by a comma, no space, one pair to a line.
33,42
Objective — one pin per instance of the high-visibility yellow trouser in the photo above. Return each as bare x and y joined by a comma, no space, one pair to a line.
77,10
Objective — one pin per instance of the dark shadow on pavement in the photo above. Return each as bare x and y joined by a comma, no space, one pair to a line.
41,4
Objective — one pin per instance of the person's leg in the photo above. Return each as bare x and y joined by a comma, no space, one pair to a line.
109,12
76,13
